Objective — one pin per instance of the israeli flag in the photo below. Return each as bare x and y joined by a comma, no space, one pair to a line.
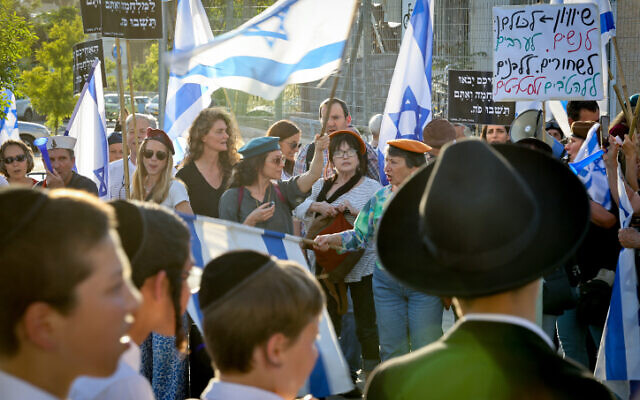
189,95
408,107
9,125
589,167
211,237
293,41
88,125
619,352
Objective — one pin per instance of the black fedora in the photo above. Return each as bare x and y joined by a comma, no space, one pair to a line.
482,219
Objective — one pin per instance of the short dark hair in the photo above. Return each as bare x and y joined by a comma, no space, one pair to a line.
412,159
345,108
283,299
574,107
44,242
24,147
348,138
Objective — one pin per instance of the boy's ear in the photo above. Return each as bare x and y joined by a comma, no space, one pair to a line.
274,349
39,325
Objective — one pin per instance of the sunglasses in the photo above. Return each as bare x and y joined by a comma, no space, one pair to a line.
160,155
20,158
295,145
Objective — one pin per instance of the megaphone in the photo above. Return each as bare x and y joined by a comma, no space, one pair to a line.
527,124
530,124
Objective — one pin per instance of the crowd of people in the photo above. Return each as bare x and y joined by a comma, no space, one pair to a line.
93,294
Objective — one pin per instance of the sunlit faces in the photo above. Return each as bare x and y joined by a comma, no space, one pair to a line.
115,151
337,121
140,132
62,162
17,168
290,146
217,137
497,134
298,360
273,164
345,159
573,146
396,170
90,337
154,165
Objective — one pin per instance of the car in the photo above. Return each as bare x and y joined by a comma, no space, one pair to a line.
24,109
30,131
141,102
152,106
112,105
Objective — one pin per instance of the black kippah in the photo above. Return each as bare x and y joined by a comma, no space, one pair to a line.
21,206
131,227
225,275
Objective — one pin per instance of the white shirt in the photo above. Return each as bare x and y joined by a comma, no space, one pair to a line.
12,388
3,180
220,390
177,194
125,384
116,179
509,319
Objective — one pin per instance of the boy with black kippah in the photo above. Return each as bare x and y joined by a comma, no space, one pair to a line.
260,322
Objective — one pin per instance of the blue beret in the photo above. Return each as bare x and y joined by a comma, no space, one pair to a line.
115,137
259,145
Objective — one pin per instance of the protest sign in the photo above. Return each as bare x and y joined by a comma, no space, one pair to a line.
91,16
84,54
471,100
547,52
136,19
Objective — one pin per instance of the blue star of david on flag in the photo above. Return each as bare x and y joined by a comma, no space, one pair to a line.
410,105
271,36
102,187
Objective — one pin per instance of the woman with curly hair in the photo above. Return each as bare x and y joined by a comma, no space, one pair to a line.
210,159
16,161
153,179
254,199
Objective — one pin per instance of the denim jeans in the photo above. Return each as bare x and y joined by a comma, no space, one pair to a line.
407,319
349,341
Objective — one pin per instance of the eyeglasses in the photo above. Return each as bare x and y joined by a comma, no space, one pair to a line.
294,145
20,158
193,277
344,153
277,160
160,155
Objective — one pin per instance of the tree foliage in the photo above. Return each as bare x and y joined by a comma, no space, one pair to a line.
145,75
50,83
15,43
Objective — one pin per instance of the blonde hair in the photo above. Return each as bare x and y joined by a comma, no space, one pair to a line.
160,190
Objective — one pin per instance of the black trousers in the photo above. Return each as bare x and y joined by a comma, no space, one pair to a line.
365,314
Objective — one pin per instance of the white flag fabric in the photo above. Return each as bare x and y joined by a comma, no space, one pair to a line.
9,125
212,237
589,167
88,125
293,41
619,352
408,107
189,95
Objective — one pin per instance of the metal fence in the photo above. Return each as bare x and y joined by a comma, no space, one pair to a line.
462,40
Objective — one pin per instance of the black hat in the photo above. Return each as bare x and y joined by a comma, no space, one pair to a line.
483,219
115,137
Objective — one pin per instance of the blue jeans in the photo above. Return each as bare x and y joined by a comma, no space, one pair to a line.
407,319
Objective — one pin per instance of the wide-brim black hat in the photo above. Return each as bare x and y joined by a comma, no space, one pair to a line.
482,219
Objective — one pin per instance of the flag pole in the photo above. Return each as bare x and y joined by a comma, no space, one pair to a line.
623,82
325,117
125,148
621,101
133,106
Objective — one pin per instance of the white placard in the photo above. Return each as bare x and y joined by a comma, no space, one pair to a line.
547,52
